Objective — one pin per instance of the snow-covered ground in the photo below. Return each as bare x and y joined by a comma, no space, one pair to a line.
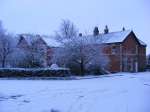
123,92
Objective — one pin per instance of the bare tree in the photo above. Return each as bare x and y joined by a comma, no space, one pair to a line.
17,57
35,53
67,31
38,54
79,53
6,46
82,54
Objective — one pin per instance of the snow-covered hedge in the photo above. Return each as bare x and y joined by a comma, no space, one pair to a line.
41,72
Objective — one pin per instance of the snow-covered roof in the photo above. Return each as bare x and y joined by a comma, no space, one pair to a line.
115,37
30,38
141,42
112,37
51,41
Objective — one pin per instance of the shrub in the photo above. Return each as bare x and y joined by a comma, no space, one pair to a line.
53,110
41,72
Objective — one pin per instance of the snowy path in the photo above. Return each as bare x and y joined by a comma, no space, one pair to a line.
125,93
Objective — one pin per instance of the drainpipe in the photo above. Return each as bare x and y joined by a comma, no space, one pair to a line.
120,58
137,60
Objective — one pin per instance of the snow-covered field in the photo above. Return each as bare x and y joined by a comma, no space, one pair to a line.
123,92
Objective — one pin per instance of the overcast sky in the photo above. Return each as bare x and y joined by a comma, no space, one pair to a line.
44,16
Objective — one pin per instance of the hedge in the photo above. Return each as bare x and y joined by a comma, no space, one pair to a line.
42,72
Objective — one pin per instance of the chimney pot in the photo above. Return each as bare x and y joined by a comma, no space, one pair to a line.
106,30
123,29
96,31
80,34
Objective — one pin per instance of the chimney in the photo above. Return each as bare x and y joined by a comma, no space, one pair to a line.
123,29
96,31
21,38
106,30
80,34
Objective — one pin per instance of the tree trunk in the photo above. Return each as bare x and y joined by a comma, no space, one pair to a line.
3,63
82,68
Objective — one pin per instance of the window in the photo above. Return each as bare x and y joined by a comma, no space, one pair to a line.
114,49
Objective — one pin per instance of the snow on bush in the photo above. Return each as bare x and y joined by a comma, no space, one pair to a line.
41,72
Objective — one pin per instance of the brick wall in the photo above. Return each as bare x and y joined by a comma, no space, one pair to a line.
125,56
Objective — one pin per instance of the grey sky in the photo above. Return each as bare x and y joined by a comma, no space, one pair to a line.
44,16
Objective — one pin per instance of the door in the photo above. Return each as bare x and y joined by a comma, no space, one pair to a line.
125,64
128,64
136,66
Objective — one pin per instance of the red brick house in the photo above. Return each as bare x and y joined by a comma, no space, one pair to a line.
125,51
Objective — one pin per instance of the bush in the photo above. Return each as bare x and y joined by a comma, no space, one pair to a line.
42,72
53,110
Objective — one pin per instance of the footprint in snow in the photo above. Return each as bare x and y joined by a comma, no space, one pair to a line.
15,96
26,101
147,84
